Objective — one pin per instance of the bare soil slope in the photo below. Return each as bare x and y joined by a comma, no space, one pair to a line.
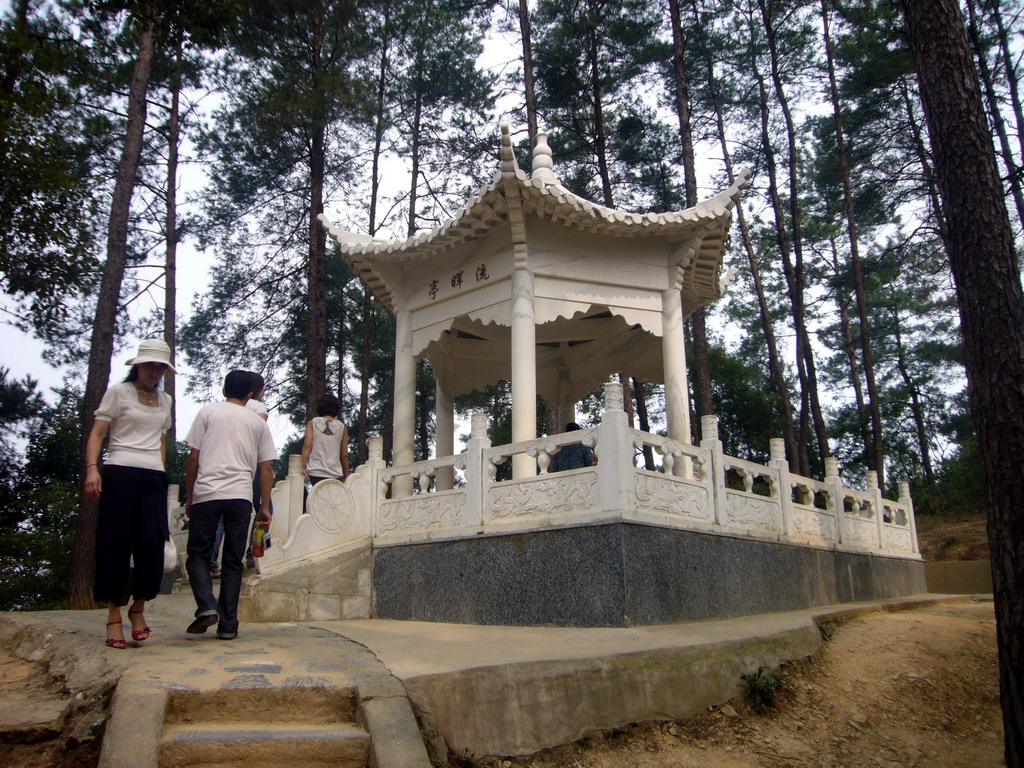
915,688
959,539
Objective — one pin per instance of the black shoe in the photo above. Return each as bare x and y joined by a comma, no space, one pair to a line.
202,623
221,635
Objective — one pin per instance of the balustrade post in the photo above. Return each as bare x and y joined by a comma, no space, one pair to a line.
615,453
477,477
780,464
375,465
835,482
294,492
911,519
710,442
172,506
871,481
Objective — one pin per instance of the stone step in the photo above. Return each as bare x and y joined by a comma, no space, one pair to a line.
27,717
279,706
264,744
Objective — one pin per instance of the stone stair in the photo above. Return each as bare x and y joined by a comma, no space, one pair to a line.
261,727
281,694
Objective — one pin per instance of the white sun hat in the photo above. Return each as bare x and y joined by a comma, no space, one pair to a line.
153,351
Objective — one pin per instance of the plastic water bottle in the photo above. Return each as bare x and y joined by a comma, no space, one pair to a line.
258,534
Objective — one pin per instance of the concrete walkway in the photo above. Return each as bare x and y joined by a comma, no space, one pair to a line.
480,689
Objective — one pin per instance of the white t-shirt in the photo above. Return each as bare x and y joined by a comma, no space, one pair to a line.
232,441
135,429
256,406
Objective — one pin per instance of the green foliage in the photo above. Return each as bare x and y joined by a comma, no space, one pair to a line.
747,410
591,62
959,490
39,508
762,687
47,210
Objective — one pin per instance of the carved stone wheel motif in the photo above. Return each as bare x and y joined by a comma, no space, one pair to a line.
331,506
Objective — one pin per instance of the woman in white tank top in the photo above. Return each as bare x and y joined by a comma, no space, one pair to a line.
325,447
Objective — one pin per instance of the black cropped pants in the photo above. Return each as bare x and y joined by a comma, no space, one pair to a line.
132,526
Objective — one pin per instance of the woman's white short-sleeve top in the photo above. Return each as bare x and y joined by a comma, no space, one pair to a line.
135,429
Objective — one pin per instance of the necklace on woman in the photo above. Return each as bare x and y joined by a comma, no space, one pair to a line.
148,395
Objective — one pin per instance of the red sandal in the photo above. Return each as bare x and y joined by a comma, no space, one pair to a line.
114,642
139,634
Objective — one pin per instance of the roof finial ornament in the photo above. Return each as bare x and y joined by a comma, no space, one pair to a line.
542,163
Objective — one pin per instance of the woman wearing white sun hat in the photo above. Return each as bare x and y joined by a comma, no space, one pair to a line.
132,523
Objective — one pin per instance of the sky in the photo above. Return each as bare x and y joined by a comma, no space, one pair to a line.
22,355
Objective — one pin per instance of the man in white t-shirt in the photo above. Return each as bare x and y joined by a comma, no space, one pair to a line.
229,443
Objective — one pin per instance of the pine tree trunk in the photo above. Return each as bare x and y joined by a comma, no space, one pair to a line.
422,415
364,383
415,138
782,235
849,348
873,447
171,242
1009,60
991,304
379,124
938,211
775,366
600,141
682,95
101,348
643,422
530,94
804,349
995,114
316,327
916,406
601,155
700,371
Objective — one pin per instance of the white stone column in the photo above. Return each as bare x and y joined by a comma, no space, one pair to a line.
566,403
524,370
673,352
871,481
444,432
404,428
838,496
478,472
710,441
911,521
778,462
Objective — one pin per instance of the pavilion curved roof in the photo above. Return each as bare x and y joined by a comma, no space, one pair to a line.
543,196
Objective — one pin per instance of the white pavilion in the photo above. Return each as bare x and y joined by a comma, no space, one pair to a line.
532,284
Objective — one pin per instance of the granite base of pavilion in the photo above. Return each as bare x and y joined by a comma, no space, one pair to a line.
623,574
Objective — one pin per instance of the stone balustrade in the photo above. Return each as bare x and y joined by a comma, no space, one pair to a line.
692,487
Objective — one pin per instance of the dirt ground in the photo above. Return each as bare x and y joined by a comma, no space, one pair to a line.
913,688
952,539
22,683
897,690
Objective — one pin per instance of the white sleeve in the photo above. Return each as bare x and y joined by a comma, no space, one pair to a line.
267,451
110,405
166,399
196,432
256,407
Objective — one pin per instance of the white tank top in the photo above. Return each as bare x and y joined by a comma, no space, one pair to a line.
325,456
